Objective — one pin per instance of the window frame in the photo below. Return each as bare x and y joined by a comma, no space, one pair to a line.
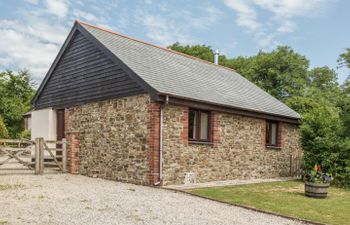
269,140
198,126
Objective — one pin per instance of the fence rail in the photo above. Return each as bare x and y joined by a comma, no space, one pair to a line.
15,149
16,141
19,148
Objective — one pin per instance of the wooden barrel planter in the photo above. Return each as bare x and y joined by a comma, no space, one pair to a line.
316,190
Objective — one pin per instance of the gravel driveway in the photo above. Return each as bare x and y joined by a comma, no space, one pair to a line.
69,199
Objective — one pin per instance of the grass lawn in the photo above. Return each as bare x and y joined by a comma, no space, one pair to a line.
285,198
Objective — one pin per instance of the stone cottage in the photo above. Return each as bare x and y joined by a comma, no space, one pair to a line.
140,113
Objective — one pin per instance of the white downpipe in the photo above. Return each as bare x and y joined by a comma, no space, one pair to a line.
161,140
161,145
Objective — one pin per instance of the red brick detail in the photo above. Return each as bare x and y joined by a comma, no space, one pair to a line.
281,134
215,128
184,121
73,145
73,152
153,143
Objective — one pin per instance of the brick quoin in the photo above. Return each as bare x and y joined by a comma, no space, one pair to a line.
280,134
73,146
184,121
74,153
215,128
153,143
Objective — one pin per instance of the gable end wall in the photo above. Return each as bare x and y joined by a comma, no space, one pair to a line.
85,74
116,139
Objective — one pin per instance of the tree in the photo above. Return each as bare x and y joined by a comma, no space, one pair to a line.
199,51
346,86
16,92
344,58
323,78
282,72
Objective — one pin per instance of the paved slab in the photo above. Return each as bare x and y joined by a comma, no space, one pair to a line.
226,183
69,199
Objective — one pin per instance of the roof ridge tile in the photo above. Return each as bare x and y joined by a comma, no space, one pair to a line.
154,45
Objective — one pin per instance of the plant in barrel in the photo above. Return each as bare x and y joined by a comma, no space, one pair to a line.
317,183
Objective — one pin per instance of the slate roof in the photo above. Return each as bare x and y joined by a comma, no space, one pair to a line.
169,72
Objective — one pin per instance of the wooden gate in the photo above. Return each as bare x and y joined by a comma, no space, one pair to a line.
50,160
40,153
18,150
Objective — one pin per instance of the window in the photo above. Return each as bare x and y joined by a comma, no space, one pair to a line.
199,125
271,133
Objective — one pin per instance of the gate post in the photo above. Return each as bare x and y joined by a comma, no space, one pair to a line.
41,162
73,151
64,155
37,156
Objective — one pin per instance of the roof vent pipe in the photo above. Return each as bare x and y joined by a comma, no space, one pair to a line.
216,57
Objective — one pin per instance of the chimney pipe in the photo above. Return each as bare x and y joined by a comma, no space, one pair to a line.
216,57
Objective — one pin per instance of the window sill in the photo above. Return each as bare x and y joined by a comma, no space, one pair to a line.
273,147
200,143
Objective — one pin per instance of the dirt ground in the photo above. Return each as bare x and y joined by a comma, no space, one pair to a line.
54,198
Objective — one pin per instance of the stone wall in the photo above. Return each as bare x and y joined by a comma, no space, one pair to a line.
113,137
238,151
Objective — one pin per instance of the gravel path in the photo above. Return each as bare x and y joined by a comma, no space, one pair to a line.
69,199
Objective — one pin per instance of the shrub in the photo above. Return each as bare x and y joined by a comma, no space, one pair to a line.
337,163
3,130
25,134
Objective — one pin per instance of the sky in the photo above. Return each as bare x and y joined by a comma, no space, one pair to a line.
33,31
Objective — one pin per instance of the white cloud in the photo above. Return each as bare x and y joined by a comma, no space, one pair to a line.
246,15
162,31
89,17
57,7
283,13
31,41
22,51
211,15
287,27
292,8
35,2
85,15
176,25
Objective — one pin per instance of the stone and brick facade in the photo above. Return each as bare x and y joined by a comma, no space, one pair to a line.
238,149
120,140
113,138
